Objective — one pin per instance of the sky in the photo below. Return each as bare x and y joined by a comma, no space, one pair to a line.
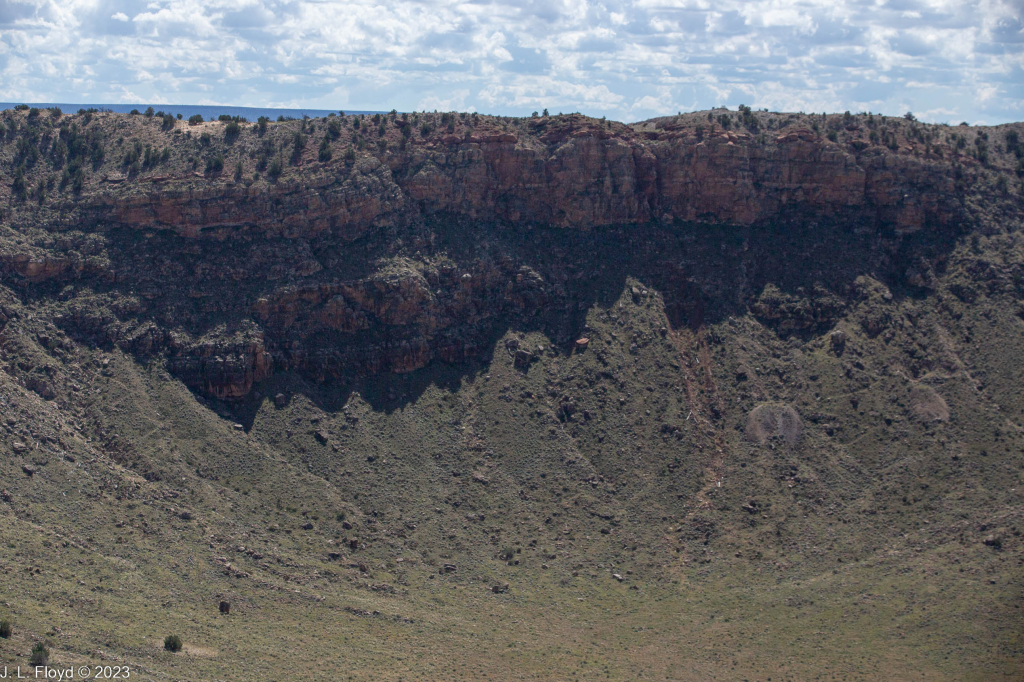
946,61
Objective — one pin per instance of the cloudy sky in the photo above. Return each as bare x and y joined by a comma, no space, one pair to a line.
942,59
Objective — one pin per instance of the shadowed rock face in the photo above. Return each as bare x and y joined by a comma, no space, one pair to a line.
385,262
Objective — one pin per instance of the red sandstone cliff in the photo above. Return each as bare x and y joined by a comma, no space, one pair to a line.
571,173
233,278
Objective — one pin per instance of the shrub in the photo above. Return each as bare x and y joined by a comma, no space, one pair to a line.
172,643
205,139
545,113
238,171
747,117
18,188
274,172
350,154
832,136
325,150
298,144
21,107
5,629
223,118
1013,143
149,111
334,128
425,130
261,123
40,655
195,119
134,112
168,121
215,164
179,117
231,130
133,153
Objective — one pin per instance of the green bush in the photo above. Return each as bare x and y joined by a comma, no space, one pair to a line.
149,111
261,123
334,128
195,119
133,153
231,130
172,643
40,655
215,164
274,172
5,629
325,150
298,144
18,187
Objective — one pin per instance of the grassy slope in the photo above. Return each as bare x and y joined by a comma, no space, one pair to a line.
836,576
858,553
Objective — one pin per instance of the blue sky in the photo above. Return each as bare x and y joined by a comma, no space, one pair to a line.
943,60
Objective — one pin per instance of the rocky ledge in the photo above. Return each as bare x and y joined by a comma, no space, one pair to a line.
419,246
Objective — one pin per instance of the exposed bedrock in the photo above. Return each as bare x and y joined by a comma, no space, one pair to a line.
389,262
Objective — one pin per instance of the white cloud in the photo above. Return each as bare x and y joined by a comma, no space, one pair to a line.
621,58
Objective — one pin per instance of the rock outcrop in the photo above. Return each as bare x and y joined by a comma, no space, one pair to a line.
569,173
339,267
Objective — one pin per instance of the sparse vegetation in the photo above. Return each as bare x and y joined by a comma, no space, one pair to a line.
40,655
444,447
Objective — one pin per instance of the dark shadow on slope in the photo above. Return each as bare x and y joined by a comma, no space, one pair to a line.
795,274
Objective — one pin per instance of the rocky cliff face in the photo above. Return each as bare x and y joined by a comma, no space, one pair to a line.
571,173
425,248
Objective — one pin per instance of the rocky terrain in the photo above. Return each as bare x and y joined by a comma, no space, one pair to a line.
738,389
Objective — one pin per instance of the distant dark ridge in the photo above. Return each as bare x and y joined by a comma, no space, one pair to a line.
186,110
